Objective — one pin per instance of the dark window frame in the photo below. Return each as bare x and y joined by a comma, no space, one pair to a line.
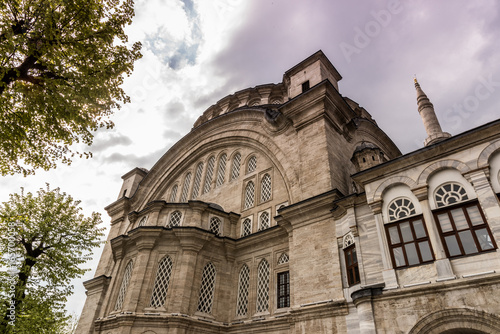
305,86
352,267
283,295
455,232
415,241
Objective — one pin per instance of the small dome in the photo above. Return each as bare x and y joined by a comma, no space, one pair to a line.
216,206
365,145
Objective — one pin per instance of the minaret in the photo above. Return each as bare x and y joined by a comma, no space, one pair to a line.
431,123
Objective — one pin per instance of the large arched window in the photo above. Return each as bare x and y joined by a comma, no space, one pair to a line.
221,172
263,286
185,187
173,194
235,170
207,288
264,221
252,164
243,284
461,223
123,288
197,180
249,195
161,282
215,225
209,174
265,188
246,228
175,219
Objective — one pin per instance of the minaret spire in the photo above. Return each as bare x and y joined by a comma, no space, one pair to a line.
431,123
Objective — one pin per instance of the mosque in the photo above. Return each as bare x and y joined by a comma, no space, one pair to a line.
286,209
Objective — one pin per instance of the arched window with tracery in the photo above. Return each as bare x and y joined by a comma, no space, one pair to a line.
162,281
215,225
449,194
263,286
197,180
243,284
264,221
207,288
283,259
185,187
175,219
249,195
209,174
173,193
221,172
246,228
400,208
123,287
235,170
252,164
265,188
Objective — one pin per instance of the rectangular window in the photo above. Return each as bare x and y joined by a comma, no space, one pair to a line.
284,289
409,243
464,230
351,264
305,86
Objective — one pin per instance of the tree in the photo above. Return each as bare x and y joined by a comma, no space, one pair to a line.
44,238
61,66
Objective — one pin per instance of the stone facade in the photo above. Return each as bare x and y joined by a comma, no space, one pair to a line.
286,209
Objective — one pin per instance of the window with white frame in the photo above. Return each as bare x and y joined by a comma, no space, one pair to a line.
243,285
400,208
215,225
175,219
263,286
235,170
185,187
162,281
264,221
209,174
123,287
252,164
221,172
173,194
206,298
197,180
265,189
246,227
249,195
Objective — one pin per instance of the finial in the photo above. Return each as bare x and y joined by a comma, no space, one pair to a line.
415,78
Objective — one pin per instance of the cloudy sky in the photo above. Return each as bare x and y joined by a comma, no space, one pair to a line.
197,52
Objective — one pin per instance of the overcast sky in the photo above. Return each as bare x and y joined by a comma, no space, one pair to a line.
197,52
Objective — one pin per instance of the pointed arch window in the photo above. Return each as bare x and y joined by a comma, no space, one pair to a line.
252,164
173,194
221,171
249,195
263,286
283,259
185,187
265,188
209,175
207,288
215,225
264,221
235,170
197,180
123,287
246,227
243,284
175,219
161,282
400,208
143,221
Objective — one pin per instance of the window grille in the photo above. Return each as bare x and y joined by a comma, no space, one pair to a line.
175,219
123,288
401,208
185,188
263,221
143,221
263,286
252,164
249,195
161,282
450,193
351,264
283,289
207,289
243,284
283,258
173,194
222,170
235,171
208,176
247,227
265,188
197,180
215,225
